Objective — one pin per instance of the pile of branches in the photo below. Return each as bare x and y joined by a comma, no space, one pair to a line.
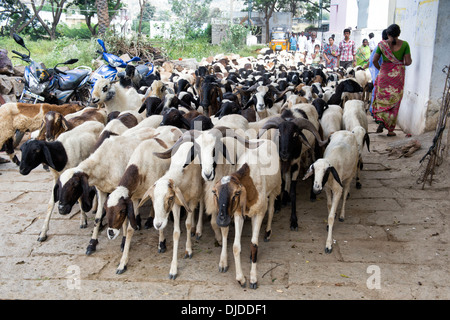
136,47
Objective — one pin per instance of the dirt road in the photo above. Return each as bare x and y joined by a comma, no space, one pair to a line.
392,245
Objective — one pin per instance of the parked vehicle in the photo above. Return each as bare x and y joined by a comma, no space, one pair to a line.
279,39
109,70
52,85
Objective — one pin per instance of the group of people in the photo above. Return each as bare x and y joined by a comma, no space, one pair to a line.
346,52
385,60
310,48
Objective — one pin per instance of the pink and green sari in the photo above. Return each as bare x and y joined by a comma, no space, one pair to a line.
388,89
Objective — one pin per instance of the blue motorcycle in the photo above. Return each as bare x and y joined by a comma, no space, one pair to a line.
109,70
52,85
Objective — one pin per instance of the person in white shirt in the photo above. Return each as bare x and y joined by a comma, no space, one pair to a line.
301,42
311,44
372,43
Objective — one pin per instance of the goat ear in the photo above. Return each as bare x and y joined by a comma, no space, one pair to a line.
303,139
250,102
65,124
190,157
335,175
180,198
309,172
159,108
325,176
48,156
147,195
184,104
367,141
87,194
142,108
243,171
130,215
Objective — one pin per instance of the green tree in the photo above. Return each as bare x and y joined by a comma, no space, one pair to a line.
15,17
88,8
267,8
57,8
192,14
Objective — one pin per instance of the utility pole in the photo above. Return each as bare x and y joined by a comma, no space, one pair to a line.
249,12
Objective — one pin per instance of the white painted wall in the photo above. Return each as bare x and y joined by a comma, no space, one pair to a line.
417,20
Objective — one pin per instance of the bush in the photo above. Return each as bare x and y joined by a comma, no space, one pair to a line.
236,37
80,31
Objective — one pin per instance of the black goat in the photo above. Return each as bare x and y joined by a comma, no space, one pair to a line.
348,85
291,140
151,105
320,106
175,117
210,96
201,123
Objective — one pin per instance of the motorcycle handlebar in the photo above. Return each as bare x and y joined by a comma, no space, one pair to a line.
23,56
59,71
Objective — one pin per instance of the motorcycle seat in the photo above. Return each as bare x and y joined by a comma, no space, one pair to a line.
72,78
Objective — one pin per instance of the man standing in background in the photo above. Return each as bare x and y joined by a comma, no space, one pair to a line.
372,43
301,43
347,51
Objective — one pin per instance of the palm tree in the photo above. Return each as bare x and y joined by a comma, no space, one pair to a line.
103,15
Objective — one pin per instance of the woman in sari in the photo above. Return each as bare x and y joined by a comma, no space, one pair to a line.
329,54
373,70
390,80
363,54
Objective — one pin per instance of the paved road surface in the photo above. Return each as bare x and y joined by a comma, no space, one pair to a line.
392,245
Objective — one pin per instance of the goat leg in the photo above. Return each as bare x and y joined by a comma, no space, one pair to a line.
176,237
336,195
294,223
223,262
256,227
92,247
238,224
50,207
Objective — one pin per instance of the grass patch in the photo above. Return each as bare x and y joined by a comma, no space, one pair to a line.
53,52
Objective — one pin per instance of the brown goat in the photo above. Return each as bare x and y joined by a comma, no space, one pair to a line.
26,117
54,123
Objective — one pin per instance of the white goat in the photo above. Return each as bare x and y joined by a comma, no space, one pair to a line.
250,191
142,171
115,97
103,169
67,151
181,185
331,120
341,159
354,119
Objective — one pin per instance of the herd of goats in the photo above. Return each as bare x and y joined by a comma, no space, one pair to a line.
228,140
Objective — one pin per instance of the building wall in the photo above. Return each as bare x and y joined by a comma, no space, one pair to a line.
343,14
424,24
420,22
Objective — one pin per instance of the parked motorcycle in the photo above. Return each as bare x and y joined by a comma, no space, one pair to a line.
52,85
109,70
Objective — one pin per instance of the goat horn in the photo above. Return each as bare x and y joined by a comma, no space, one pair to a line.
227,132
273,123
188,136
306,124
